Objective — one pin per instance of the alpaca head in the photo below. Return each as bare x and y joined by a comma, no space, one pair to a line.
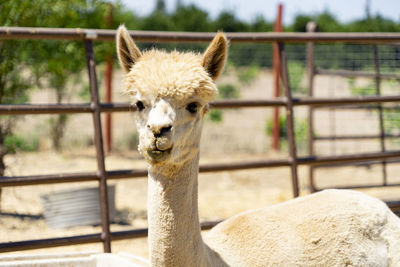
171,92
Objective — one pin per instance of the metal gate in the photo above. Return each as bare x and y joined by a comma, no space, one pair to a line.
95,108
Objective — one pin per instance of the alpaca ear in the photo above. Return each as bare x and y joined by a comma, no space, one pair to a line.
128,53
215,56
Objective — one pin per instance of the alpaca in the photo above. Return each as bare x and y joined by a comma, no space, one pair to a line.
330,228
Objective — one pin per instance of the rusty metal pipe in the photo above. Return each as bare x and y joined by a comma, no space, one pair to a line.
158,36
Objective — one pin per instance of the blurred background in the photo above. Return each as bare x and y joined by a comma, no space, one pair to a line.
38,71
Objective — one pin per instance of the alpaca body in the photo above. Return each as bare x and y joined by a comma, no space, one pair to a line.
330,228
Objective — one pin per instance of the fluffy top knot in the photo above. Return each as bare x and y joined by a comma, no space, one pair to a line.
175,75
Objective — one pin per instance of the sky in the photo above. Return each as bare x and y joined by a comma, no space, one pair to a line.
344,10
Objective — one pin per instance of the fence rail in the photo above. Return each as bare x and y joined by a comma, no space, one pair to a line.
357,73
95,108
158,36
6,181
252,103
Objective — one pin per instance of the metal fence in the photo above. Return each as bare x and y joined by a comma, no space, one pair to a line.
367,53
95,108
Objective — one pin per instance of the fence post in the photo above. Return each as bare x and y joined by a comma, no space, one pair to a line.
108,84
311,27
380,111
108,99
276,68
289,120
98,140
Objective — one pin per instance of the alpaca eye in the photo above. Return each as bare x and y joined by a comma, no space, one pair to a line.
192,107
140,105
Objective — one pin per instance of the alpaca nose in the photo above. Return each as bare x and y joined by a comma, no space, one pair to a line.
163,131
159,130
161,118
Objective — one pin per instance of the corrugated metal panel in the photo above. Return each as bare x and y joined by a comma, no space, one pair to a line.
76,207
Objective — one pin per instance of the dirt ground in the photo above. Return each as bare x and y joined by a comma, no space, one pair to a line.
240,136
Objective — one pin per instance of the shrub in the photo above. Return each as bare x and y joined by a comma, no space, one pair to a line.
13,143
367,90
215,115
300,131
227,91
248,74
296,74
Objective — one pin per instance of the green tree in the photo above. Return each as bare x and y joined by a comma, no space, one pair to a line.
373,24
261,25
13,55
328,23
157,21
227,22
24,63
300,23
190,18
59,61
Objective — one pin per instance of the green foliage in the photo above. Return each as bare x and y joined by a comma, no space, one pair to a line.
296,74
13,54
25,64
373,24
248,74
300,130
58,61
227,22
228,91
328,23
391,119
14,143
14,79
391,122
157,21
215,115
282,127
367,90
249,54
191,18
261,25
300,23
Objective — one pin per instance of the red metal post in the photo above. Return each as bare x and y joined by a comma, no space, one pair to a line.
276,67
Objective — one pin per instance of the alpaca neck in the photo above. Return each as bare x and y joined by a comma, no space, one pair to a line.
174,229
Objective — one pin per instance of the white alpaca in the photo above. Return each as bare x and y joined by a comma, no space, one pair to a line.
330,228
